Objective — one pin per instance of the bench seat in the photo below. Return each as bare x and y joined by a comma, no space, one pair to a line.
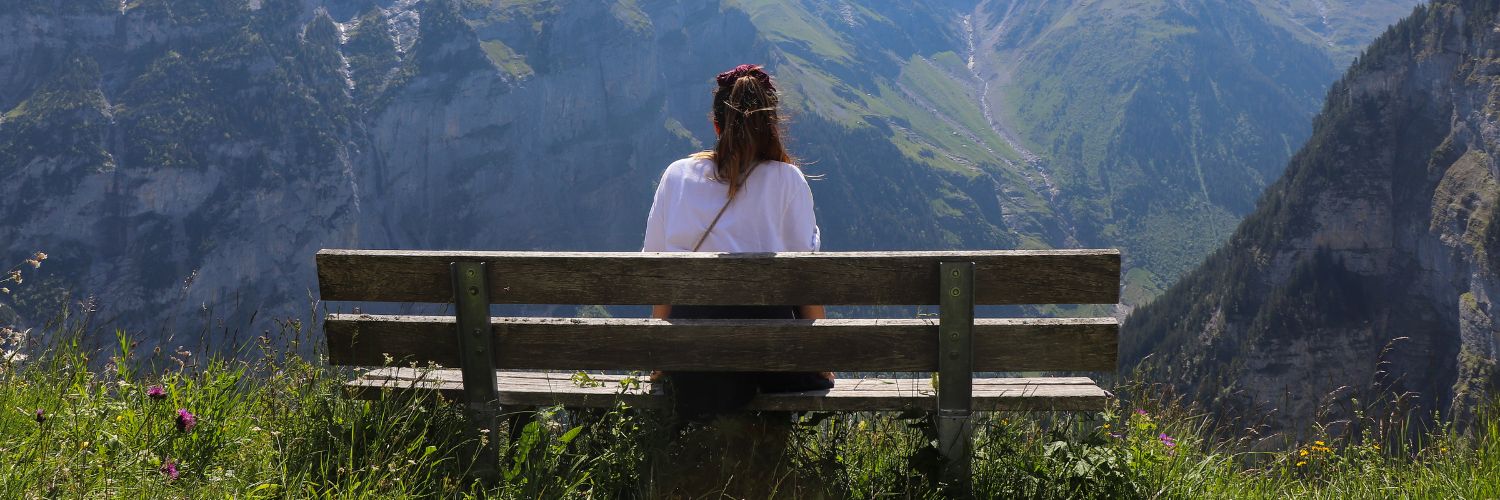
547,388
512,364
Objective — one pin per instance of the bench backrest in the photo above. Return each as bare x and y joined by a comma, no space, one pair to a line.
830,278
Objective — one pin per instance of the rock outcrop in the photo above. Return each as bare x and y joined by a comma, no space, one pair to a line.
1367,272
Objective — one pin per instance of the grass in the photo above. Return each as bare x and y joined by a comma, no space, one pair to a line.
506,59
271,423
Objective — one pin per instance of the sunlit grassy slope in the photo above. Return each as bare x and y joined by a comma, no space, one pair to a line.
80,423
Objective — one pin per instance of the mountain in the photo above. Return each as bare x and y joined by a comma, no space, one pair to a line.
1147,116
182,160
1369,269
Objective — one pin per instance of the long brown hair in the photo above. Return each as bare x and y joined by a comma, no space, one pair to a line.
749,126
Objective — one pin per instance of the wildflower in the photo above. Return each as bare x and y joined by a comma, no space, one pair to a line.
41,416
1116,436
34,263
1140,411
4,290
1319,443
1105,427
39,256
1301,463
1167,440
185,420
169,469
1301,453
864,425
156,392
15,275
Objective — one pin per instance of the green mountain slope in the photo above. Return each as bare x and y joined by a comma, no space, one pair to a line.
1153,116
1368,269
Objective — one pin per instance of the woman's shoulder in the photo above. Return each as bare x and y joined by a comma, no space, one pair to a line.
785,171
693,163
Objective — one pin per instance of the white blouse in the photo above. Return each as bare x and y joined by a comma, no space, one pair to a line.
773,211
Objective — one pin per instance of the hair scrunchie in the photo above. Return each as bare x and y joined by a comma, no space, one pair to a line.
727,78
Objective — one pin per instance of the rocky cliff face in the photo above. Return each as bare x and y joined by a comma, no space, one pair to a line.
1368,270
176,159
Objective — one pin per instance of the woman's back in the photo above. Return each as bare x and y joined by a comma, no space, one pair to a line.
744,195
771,212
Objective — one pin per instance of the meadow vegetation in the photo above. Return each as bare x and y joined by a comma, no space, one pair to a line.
270,422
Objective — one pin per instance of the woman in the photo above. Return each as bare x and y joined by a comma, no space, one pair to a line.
744,195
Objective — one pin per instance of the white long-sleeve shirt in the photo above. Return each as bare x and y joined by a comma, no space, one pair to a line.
773,211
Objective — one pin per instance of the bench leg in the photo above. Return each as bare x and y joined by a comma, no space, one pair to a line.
471,301
955,374
487,423
955,433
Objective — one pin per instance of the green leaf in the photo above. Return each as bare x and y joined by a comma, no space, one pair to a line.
567,437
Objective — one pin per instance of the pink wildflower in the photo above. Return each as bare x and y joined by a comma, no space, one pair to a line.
156,392
1140,411
169,469
1167,440
185,420
41,416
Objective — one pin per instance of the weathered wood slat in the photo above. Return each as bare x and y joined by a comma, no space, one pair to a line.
545,389
845,278
613,380
868,345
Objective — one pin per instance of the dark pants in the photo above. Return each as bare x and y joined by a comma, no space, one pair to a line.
701,395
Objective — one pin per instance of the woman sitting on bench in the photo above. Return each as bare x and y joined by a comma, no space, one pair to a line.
744,195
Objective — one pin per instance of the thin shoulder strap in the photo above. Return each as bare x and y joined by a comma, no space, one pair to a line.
711,225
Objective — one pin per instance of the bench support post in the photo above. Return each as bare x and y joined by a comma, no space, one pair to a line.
471,301
955,373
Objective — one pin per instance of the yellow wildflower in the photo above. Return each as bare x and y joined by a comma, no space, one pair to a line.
864,425
1106,427
1319,443
1301,463
1301,453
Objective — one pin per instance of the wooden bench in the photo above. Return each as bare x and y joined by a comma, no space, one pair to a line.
520,361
